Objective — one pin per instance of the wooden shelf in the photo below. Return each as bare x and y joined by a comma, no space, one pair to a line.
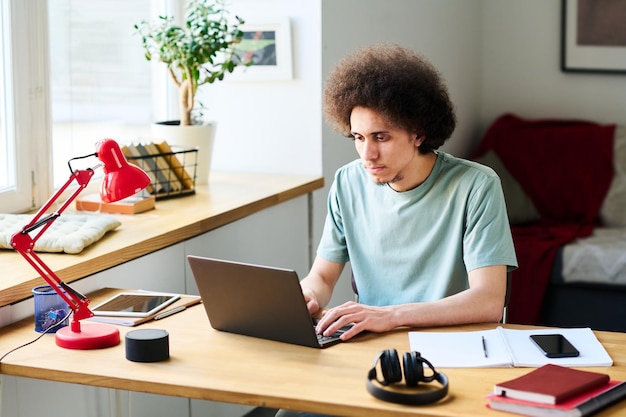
227,197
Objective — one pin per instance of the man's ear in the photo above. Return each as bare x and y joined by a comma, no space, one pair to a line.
419,139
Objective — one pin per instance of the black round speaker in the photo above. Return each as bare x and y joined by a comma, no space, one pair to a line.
147,345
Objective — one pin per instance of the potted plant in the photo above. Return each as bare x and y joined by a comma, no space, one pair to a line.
200,51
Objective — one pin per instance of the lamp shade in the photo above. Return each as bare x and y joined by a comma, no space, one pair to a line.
121,179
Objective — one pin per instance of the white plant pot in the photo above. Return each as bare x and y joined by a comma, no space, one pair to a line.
196,136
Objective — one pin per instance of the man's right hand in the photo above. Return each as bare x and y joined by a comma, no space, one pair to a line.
311,301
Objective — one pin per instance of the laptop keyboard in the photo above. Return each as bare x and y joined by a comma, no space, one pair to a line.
325,339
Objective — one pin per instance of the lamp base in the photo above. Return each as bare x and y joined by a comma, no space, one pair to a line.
90,336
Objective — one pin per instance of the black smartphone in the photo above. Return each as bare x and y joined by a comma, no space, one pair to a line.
554,345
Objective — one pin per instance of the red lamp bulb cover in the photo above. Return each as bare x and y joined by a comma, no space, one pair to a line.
121,179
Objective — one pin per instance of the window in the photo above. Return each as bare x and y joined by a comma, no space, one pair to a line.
7,143
23,110
101,84
73,73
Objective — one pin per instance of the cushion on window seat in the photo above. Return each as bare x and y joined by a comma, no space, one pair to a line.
70,233
599,258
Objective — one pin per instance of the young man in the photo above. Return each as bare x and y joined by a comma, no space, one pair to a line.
426,233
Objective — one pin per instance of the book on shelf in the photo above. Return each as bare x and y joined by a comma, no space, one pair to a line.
585,404
181,304
504,348
550,384
163,185
179,169
131,205
164,167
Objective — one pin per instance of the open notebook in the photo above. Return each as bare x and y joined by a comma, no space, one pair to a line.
504,348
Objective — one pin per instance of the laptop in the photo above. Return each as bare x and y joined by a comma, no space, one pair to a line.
257,301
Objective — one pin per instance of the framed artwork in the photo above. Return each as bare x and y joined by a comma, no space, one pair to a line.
593,37
268,45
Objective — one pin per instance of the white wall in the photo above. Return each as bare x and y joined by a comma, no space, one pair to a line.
521,63
272,126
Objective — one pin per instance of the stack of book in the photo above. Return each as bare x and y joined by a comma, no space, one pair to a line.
131,205
554,390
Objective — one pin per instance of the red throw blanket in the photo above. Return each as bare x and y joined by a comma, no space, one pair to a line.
566,168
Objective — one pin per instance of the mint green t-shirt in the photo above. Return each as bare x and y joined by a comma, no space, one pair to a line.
417,245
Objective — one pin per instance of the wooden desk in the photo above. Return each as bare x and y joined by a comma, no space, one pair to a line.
229,196
211,365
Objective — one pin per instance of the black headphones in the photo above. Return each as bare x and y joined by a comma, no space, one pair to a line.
413,375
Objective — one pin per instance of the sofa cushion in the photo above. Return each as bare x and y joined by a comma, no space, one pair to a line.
613,211
519,206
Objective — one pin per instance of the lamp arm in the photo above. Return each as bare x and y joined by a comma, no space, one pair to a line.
75,300
24,244
82,177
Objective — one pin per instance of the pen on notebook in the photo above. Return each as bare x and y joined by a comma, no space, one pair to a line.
485,347
169,312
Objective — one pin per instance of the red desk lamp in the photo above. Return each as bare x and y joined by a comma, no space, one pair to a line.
121,180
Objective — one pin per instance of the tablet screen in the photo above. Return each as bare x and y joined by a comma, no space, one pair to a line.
134,304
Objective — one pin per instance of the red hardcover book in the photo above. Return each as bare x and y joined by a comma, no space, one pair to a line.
551,384
582,405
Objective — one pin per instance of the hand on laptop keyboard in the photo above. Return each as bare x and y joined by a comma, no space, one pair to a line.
335,334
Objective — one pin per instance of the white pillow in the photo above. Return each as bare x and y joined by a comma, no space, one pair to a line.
613,211
70,233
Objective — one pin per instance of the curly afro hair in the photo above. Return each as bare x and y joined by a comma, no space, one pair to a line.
400,85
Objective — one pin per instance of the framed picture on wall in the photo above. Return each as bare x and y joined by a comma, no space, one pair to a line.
593,37
267,44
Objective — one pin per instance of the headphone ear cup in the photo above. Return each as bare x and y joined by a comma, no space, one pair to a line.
390,367
413,368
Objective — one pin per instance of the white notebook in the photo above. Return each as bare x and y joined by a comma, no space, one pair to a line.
504,348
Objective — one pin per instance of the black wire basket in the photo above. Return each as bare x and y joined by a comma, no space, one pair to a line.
172,174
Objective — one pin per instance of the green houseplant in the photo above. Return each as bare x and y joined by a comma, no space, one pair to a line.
201,51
